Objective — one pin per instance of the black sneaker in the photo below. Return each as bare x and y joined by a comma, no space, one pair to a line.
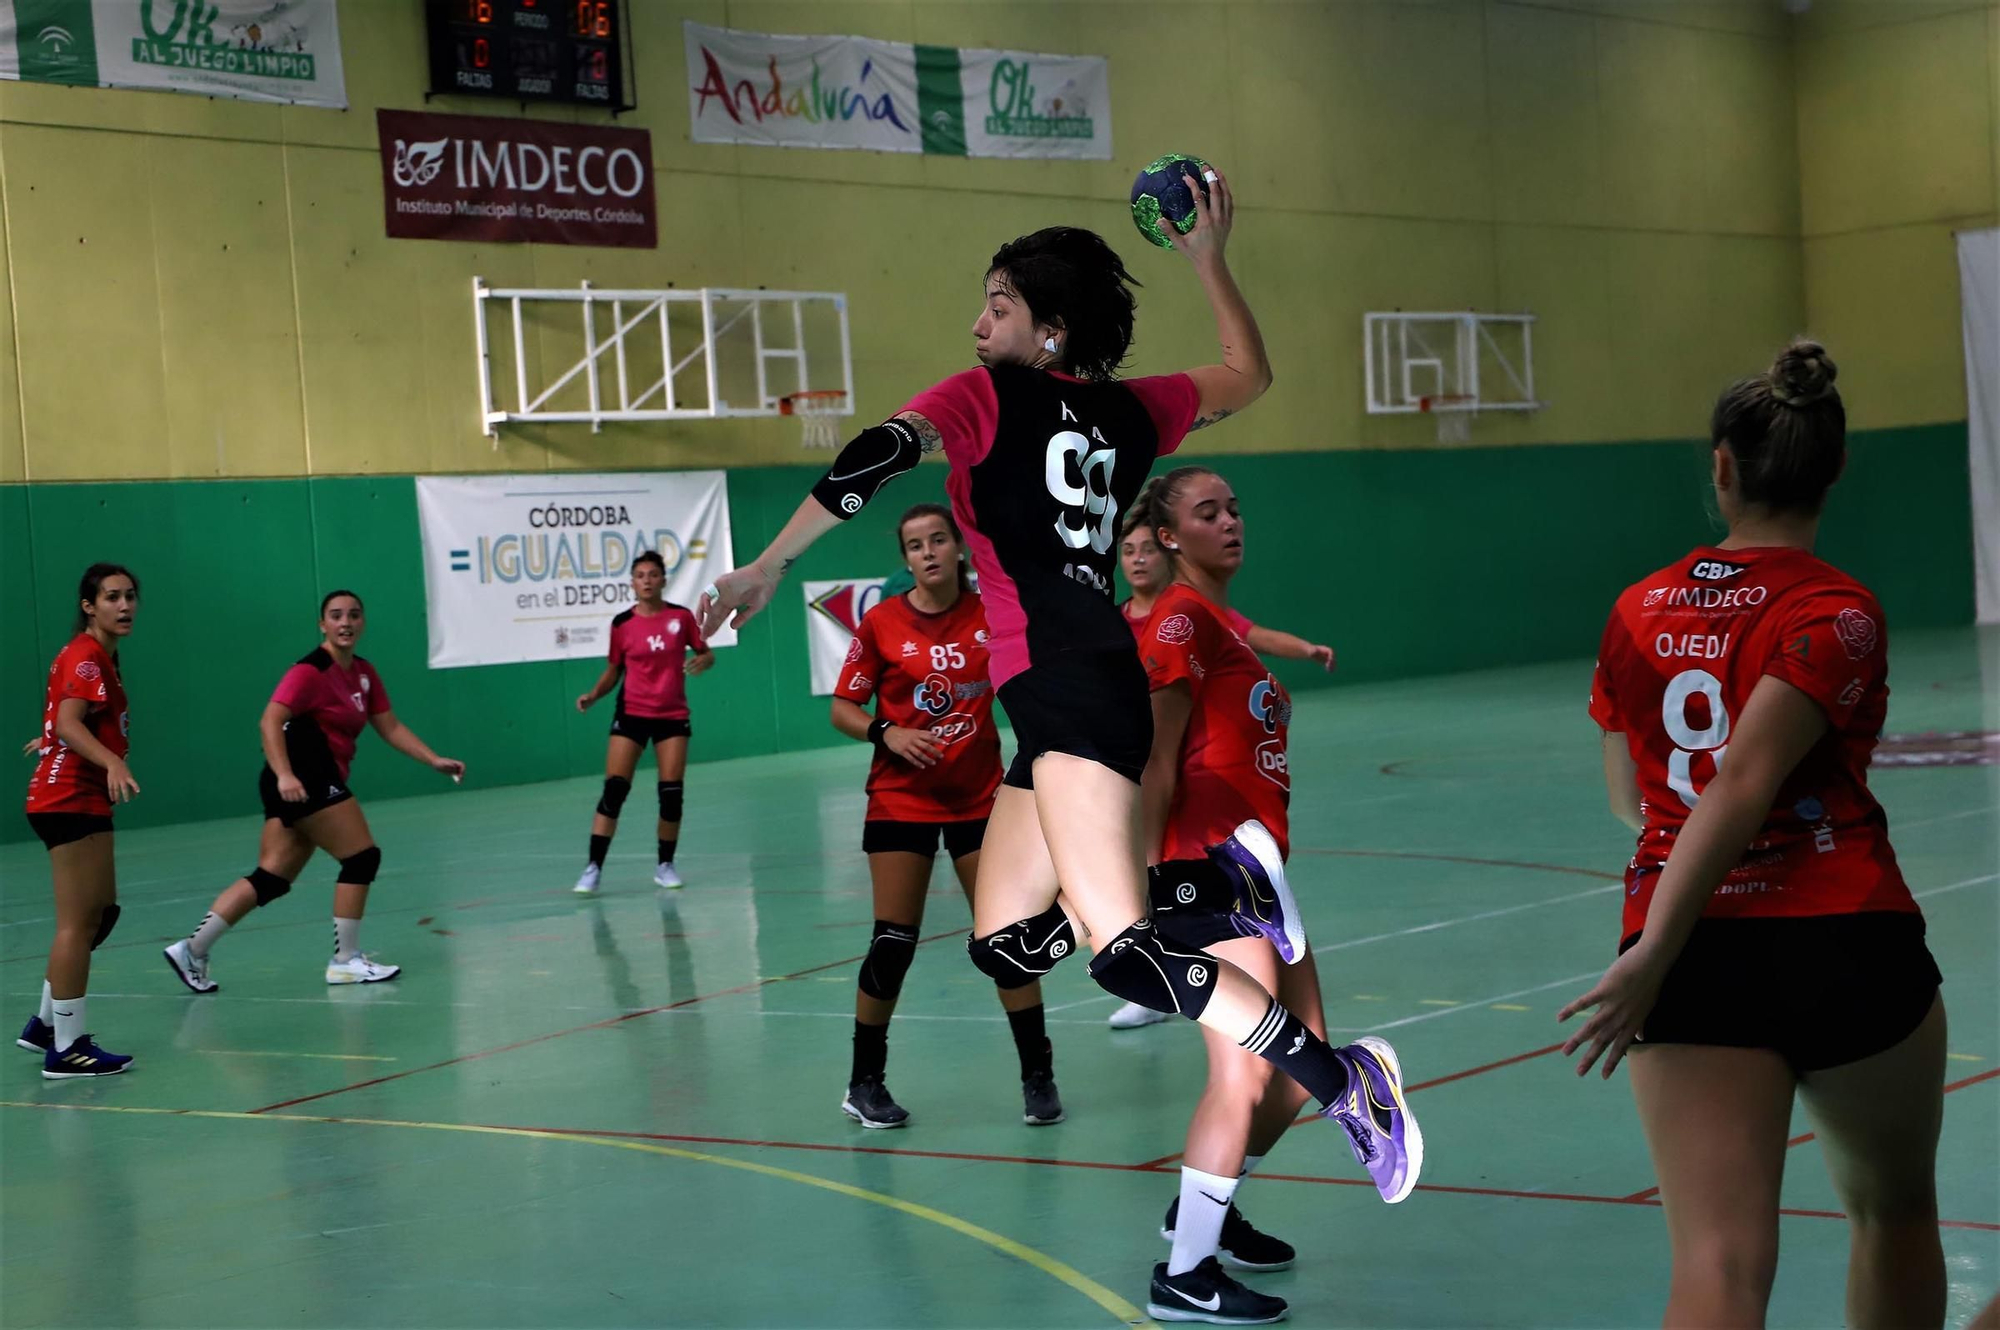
1242,1246
1041,1106
1205,1293
869,1104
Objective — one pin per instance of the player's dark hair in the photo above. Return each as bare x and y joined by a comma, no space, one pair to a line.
332,596
93,582
1788,429
653,557
917,510
1070,279
1139,517
1161,493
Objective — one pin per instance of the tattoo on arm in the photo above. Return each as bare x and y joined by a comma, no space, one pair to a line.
1221,413
927,433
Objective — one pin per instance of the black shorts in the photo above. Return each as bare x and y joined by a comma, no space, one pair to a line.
62,828
643,730
1820,992
1095,705
960,838
314,767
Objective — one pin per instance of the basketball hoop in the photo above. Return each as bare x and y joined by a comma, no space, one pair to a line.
1454,413
817,412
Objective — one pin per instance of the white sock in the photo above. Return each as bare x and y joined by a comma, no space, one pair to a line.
1250,1163
212,927
1198,1224
346,938
47,1014
68,1021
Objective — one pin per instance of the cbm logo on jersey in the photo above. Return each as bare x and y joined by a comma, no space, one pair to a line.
1716,570
1273,711
933,695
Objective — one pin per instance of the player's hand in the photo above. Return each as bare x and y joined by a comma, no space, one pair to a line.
701,663
1213,217
583,701
737,596
1322,654
449,766
1623,998
290,790
32,748
917,747
118,777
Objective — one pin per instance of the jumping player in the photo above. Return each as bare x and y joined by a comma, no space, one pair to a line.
922,657
655,645
1770,945
309,729
80,775
1047,447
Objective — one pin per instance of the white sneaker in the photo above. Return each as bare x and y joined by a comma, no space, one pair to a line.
587,884
665,876
192,969
358,969
1131,1016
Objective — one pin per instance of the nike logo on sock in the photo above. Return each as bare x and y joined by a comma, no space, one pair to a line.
1217,1199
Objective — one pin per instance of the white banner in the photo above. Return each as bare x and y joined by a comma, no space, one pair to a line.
857,92
833,612
1979,291
520,568
257,50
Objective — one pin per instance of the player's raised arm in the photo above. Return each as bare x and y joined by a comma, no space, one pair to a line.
1245,372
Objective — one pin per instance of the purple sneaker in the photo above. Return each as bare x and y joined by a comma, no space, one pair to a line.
1382,1129
37,1036
1265,908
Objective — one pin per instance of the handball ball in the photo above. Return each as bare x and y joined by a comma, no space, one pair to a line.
1160,196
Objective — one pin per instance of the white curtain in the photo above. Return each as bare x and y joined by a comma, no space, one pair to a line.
1979,289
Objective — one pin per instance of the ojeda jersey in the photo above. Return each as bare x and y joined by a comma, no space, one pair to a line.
1042,467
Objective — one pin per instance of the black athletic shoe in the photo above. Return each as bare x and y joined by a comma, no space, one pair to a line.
1205,1293
869,1104
1242,1246
1041,1106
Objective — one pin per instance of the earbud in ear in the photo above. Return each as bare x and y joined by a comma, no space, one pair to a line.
1048,343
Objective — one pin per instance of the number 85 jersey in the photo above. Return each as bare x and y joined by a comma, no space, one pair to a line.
1681,655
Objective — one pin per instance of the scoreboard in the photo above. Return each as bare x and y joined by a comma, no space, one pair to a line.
530,50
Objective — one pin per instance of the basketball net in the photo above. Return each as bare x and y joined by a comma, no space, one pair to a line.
1453,414
818,413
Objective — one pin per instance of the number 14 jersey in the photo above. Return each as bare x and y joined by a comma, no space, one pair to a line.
1683,651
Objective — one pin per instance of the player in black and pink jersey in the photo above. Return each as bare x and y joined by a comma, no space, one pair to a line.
80,775
921,657
1770,946
655,645
1047,447
309,728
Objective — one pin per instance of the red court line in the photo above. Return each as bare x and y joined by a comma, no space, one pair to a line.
1988,1075
579,1029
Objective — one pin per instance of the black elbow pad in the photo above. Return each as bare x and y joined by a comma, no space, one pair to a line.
871,459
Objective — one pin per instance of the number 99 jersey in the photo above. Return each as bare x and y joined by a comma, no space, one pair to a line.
1681,655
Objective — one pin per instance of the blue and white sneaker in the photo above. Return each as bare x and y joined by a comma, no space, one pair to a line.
82,1059
1265,907
36,1036
1377,1117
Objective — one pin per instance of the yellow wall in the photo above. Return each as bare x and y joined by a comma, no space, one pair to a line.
1899,146
203,288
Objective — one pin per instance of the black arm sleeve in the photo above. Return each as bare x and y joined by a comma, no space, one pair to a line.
871,459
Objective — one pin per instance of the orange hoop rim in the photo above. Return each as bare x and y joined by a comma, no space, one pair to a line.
1447,402
823,401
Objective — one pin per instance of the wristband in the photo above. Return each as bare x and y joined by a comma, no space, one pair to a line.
876,730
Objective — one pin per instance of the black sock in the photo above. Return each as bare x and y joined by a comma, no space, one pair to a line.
1283,1040
1031,1040
667,851
871,1052
1190,885
599,845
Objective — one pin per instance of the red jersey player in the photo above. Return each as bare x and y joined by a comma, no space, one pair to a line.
922,658
655,645
1770,945
79,775
309,728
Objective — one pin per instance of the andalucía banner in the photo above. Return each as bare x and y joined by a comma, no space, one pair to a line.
257,50
857,92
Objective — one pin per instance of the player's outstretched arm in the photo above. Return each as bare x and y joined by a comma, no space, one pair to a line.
1245,371
1289,646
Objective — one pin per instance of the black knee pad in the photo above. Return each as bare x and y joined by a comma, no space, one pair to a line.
613,798
890,952
670,800
358,870
1140,967
268,885
1024,951
105,923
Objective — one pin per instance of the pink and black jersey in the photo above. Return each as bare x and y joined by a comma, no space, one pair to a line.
337,702
1042,467
652,650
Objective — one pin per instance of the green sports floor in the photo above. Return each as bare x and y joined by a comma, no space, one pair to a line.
622,1111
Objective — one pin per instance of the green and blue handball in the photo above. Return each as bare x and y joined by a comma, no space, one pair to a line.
1161,197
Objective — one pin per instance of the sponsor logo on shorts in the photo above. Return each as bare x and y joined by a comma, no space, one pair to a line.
1857,633
1851,694
1174,629
1197,975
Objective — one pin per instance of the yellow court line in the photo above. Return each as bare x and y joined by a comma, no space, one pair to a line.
1964,1057
1439,1002
250,1053
1126,1313
1508,1006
